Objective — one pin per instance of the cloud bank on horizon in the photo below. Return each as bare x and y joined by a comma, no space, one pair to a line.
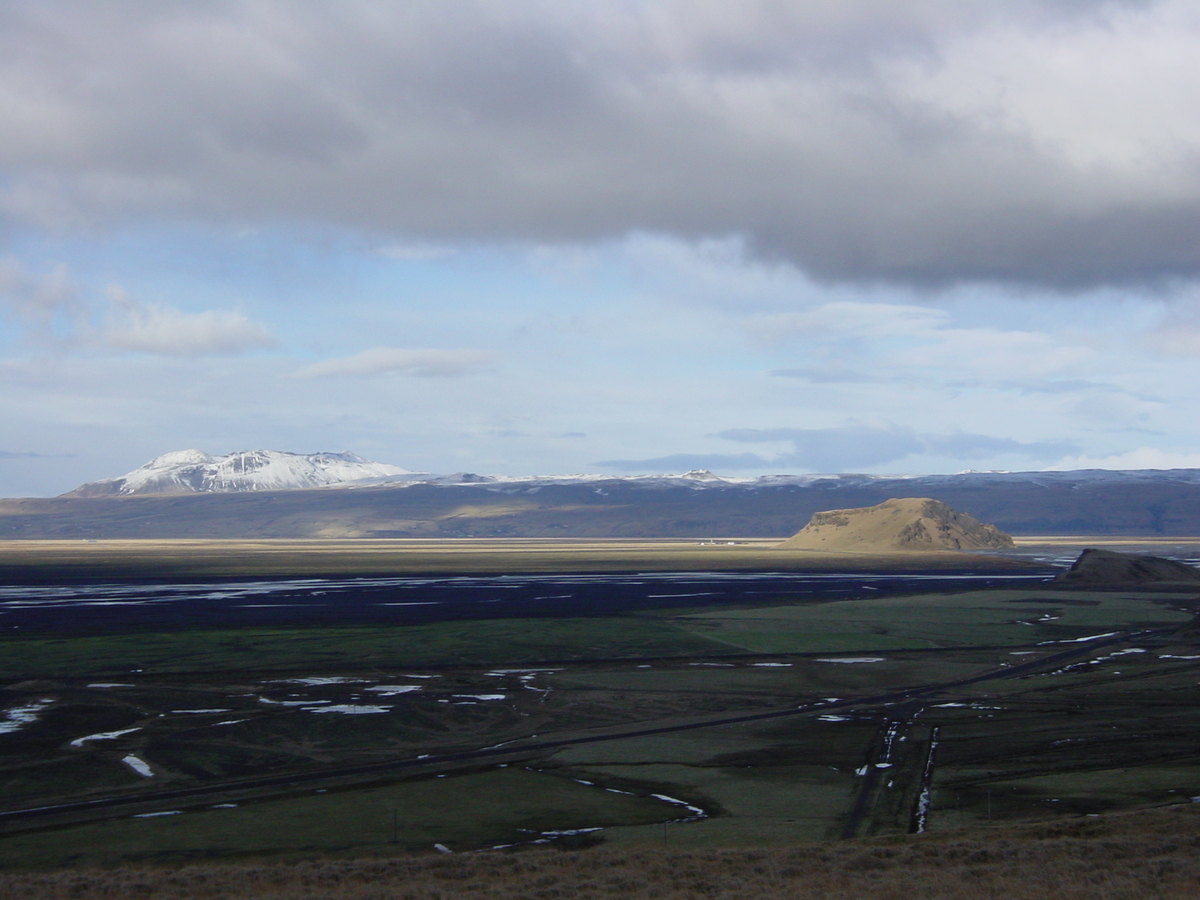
535,237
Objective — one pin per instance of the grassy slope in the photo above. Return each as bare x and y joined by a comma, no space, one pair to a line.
1116,857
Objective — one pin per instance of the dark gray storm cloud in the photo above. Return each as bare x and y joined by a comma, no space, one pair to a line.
924,142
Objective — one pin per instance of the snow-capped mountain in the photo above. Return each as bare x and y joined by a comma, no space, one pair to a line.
196,472
193,471
214,497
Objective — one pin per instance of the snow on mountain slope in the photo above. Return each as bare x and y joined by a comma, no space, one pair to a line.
701,479
193,471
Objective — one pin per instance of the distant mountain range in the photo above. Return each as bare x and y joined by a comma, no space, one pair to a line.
265,493
196,472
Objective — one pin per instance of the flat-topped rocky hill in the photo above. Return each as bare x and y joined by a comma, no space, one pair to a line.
898,524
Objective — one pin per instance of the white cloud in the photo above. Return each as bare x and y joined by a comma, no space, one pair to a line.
852,319
1178,333
418,362
39,301
1182,339
418,252
166,331
927,340
995,353
650,202
1069,86
52,307
855,446
1142,458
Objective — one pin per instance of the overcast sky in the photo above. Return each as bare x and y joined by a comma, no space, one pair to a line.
632,236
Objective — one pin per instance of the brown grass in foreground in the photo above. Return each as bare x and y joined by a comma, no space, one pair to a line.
1154,854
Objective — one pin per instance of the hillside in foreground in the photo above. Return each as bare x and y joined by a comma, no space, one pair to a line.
1110,857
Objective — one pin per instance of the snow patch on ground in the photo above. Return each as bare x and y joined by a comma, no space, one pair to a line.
102,736
139,765
20,716
853,659
675,801
270,702
1090,637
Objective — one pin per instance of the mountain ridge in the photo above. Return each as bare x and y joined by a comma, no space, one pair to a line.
688,505
194,471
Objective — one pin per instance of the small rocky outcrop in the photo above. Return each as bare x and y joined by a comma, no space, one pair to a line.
1110,567
901,524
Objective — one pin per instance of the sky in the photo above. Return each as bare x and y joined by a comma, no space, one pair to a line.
638,236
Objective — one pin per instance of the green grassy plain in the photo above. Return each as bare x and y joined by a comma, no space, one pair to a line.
866,624
508,805
1110,729
991,617
317,649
